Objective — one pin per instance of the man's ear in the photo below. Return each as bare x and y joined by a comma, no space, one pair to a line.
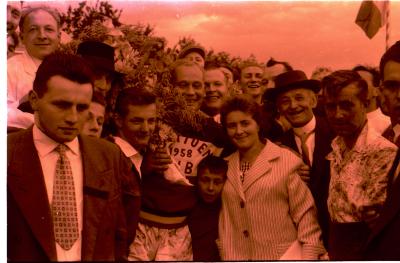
313,99
33,100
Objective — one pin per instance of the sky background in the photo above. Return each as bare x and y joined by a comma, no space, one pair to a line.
304,33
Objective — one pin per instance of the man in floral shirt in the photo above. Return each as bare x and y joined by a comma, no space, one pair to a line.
360,161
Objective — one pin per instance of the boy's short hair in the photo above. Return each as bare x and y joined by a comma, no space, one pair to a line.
213,164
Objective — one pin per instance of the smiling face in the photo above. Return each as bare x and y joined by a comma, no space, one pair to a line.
216,88
346,113
242,129
210,185
189,83
40,34
138,125
250,81
297,106
62,110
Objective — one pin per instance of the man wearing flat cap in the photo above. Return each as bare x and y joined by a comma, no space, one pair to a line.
310,136
194,53
101,57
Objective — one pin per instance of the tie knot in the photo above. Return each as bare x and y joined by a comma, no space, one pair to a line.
303,135
61,149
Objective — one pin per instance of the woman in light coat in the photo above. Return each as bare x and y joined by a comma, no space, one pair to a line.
268,212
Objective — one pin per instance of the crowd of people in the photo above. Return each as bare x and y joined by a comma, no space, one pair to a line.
259,163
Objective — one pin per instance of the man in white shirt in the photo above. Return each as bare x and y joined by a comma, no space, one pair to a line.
56,176
217,90
296,98
377,120
40,33
135,119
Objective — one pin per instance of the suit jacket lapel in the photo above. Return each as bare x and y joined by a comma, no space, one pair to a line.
26,184
262,165
391,208
234,174
289,140
96,187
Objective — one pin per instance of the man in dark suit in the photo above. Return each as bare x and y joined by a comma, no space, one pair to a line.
383,242
296,97
64,200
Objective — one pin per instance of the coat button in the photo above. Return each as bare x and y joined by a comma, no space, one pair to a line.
241,204
246,233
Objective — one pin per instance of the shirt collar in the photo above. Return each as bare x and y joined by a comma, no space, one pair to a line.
308,128
396,130
125,147
45,145
367,136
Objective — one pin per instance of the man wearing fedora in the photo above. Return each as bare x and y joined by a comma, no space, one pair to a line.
310,136
360,162
101,57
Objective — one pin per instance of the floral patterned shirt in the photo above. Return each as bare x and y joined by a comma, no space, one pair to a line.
357,189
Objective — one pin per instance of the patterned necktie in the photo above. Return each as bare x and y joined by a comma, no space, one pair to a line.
304,148
65,216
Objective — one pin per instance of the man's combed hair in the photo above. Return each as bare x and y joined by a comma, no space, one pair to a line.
214,164
272,62
28,10
393,53
98,97
373,71
69,66
338,80
133,96
243,103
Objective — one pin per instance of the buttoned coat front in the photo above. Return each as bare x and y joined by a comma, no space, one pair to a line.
271,209
30,235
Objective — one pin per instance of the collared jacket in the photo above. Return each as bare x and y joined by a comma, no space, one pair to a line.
270,210
30,235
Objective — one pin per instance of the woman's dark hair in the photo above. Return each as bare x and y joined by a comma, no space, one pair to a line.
243,103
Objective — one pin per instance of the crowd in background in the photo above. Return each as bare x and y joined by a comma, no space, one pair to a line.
186,155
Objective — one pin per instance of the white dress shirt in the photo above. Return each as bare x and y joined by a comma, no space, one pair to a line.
378,121
310,142
21,72
130,152
48,159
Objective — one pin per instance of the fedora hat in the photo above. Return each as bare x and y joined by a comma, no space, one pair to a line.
98,54
192,48
289,80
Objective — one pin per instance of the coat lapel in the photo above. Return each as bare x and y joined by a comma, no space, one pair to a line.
288,139
234,174
96,187
262,164
390,210
26,184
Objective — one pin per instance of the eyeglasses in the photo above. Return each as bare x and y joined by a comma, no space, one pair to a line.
391,85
